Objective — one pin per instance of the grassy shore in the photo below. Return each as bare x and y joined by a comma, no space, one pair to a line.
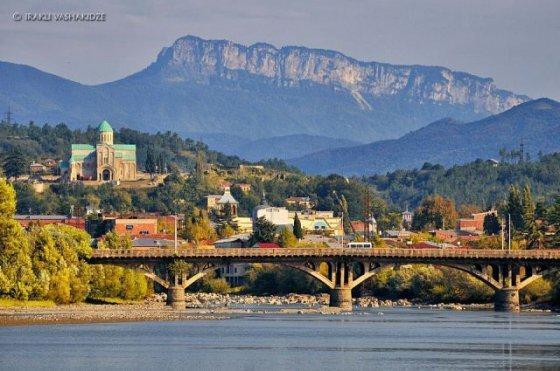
14,303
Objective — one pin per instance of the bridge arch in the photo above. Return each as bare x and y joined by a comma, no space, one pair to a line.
478,274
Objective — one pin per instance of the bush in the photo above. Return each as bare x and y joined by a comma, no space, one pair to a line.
215,285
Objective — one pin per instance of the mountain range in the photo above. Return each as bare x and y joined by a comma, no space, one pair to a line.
535,124
234,95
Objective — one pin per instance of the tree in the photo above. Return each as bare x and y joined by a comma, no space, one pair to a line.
435,212
59,253
15,164
263,231
491,225
150,164
514,208
115,241
287,238
298,231
7,199
199,228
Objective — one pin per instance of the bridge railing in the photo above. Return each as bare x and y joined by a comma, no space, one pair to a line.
326,252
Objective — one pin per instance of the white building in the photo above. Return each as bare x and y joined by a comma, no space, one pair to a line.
279,216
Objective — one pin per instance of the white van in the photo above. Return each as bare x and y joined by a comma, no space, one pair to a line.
359,245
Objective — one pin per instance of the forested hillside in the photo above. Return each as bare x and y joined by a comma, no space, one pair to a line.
483,183
47,141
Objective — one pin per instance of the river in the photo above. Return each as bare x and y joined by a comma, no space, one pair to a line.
395,338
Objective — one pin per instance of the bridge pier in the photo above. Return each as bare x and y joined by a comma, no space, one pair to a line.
341,298
506,300
176,297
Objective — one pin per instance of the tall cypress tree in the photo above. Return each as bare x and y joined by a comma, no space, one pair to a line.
515,208
150,161
298,231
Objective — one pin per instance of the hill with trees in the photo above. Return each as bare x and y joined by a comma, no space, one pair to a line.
448,142
483,183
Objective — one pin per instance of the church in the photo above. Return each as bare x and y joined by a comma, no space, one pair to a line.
104,162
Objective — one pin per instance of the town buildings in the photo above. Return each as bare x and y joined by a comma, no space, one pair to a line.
101,163
30,219
301,203
318,222
276,215
475,223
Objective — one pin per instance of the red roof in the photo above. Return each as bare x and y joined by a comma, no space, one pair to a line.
268,245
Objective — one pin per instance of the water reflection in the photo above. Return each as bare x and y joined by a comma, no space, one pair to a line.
397,339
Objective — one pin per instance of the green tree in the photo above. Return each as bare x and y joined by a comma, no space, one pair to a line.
15,164
435,212
514,209
115,241
263,231
298,231
59,253
7,199
287,238
150,165
491,225
199,228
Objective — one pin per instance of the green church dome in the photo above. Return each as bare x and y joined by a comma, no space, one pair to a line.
105,127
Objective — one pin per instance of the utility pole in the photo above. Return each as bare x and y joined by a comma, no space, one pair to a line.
509,232
175,239
342,239
9,116
502,225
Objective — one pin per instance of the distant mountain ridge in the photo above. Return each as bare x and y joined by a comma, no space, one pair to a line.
447,142
283,147
218,87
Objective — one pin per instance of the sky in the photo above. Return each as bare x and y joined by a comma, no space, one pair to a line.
516,42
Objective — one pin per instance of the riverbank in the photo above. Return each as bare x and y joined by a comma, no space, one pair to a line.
203,306
96,313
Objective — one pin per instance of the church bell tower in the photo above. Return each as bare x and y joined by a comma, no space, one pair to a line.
105,133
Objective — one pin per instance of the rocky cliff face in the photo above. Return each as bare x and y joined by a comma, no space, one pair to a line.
194,59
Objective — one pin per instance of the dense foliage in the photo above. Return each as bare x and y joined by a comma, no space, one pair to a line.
35,142
48,262
481,182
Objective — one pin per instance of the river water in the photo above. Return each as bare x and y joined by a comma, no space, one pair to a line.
374,339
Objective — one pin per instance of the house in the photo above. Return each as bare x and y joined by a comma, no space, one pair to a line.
135,227
245,187
144,242
276,215
235,241
27,220
407,217
234,273
244,224
319,222
475,223
36,168
493,162
359,226
299,202
397,235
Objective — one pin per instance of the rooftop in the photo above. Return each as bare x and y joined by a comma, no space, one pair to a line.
105,127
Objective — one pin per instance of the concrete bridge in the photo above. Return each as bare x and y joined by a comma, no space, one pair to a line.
340,269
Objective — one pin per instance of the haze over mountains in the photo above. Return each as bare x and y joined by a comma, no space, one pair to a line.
535,123
231,94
